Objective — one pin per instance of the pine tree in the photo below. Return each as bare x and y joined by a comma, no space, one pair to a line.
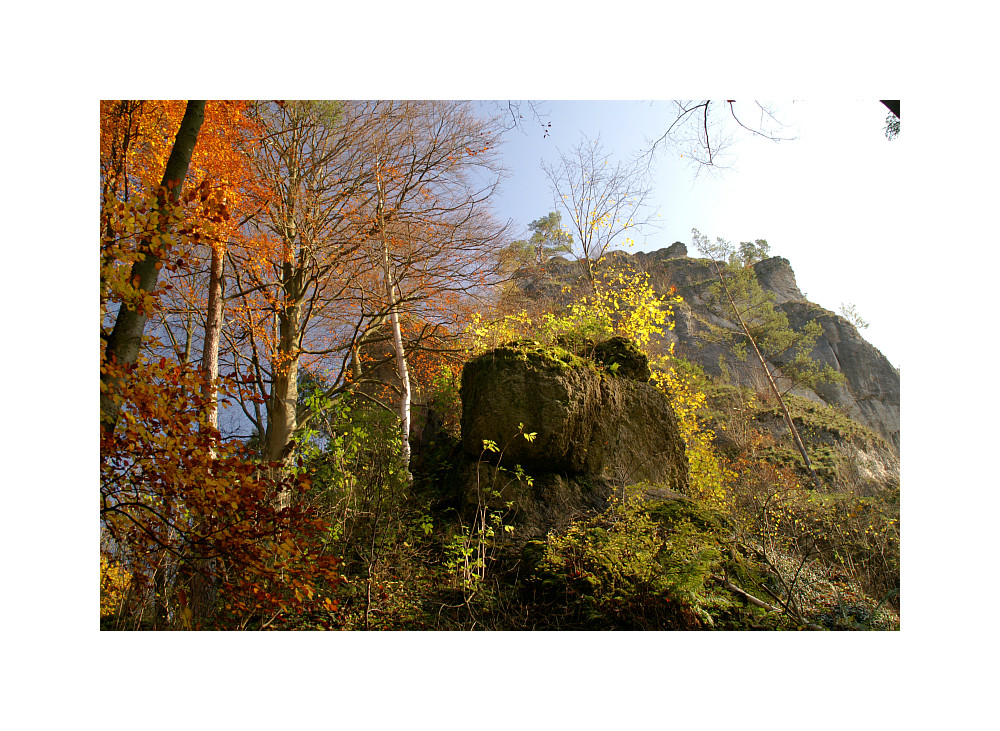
547,239
763,329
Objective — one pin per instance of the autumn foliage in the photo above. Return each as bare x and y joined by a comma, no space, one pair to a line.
193,536
256,471
279,202
176,501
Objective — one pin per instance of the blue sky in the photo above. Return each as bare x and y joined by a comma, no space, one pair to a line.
829,200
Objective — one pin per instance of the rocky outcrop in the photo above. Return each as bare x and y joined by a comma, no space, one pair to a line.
775,275
676,249
870,392
597,424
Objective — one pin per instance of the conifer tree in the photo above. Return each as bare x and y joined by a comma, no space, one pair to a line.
547,239
763,329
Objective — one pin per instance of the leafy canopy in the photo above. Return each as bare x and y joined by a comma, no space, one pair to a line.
547,239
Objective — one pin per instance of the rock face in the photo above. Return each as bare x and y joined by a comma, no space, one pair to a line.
598,424
776,275
870,393
676,249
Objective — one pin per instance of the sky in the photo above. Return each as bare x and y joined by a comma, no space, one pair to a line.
828,200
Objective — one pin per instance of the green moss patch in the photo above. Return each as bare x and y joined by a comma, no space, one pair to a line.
537,355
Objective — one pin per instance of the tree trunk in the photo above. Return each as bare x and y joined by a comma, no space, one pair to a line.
126,337
404,374
283,403
281,416
767,372
199,575
397,336
281,407
213,328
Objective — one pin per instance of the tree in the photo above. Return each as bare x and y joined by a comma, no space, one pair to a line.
297,258
187,514
764,329
191,307
750,253
183,509
850,313
175,501
434,237
392,302
547,239
704,129
603,201
512,112
378,213
122,345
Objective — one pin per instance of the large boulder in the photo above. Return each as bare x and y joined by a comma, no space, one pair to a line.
597,424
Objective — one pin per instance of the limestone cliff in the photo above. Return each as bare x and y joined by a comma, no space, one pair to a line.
870,391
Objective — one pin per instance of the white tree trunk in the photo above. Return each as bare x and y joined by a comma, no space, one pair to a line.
397,336
404,373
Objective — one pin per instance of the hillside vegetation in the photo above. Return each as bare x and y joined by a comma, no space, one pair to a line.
749,544
335,394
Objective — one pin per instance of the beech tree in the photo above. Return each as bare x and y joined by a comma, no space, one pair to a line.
181,508
122,345
605,202
378,217
298,255
437,169
392,303
191,311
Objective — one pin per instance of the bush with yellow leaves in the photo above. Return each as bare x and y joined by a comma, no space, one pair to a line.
114,586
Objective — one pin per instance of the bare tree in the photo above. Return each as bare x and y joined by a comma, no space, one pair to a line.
605,202
378,213
520,114
704,129
434,238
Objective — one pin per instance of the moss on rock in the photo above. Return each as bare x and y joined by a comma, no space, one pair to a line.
585,421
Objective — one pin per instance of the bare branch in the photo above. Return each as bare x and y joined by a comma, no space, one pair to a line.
603,201
703,141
